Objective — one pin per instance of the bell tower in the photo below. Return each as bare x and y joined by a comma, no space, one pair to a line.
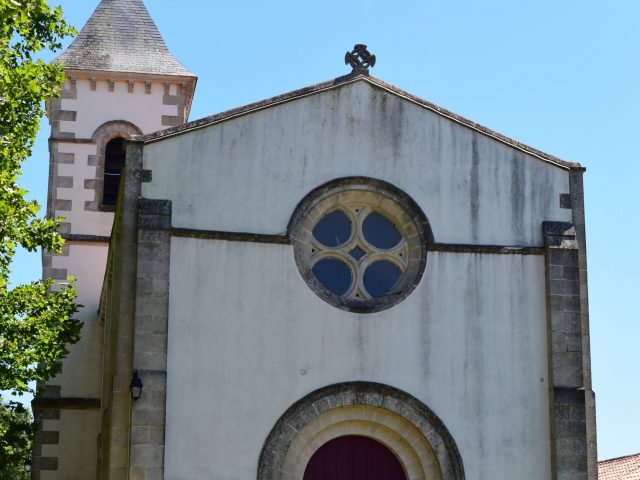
121,80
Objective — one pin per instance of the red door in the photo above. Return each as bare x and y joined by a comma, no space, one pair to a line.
353,458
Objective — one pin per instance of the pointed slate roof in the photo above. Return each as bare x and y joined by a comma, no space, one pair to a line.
120,36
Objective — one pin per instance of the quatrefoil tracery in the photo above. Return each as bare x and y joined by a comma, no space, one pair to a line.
367,253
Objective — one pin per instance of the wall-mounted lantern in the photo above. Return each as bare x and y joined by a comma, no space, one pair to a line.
135,386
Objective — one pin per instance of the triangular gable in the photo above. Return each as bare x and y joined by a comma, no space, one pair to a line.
346,80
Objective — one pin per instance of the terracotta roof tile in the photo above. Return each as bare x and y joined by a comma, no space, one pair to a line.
623,468
120,36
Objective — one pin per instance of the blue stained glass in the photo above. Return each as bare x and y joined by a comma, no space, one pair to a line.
333,274
380,277
380,232
333,230
357,253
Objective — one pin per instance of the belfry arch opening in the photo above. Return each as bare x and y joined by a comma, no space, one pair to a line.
114,160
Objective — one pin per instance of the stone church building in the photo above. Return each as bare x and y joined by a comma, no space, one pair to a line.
341,282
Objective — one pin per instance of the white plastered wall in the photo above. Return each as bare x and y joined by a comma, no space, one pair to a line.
261,165
97,107
470,341
249,341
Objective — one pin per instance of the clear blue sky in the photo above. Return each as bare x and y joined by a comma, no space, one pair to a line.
562,76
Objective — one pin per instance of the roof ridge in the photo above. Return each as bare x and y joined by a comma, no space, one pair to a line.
351,78
121,36
619,458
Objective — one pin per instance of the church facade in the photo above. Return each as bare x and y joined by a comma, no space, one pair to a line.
341,282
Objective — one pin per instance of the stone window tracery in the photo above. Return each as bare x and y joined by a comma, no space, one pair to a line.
360,246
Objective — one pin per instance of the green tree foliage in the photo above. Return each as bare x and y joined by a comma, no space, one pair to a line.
35,319
16,433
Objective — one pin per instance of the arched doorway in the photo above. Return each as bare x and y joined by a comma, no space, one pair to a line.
420,442
353,457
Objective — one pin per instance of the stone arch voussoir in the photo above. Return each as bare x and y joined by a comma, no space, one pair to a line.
103,134
406,426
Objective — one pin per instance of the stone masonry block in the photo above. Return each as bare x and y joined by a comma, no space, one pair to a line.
569,396
570,413
172,99
154,222
565,200
156,436
571,476
144,286
559,342
572,463
564,304
154,381
65,115
567,322
555,272
571,429
50,391
565,287
152,417
63,205
154,207
559,228
139,435
55,273
567,369
156,268
566,342
48,438
571,303
149,251
571,447
45,463
563,257
155,306
147,455
570,272
150,324
64,182
64,158
69,94
574,343
158,238
155,401
171,121
151,344
561,242
137,473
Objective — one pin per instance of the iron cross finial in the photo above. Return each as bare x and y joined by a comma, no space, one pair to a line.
360,59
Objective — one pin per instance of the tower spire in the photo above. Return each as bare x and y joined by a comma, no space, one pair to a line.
121,36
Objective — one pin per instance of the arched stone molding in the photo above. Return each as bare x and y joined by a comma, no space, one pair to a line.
103,134
402,423
362,194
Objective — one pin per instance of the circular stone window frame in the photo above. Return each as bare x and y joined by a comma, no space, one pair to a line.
372,195
413,432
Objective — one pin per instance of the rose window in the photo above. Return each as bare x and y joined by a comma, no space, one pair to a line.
360,249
